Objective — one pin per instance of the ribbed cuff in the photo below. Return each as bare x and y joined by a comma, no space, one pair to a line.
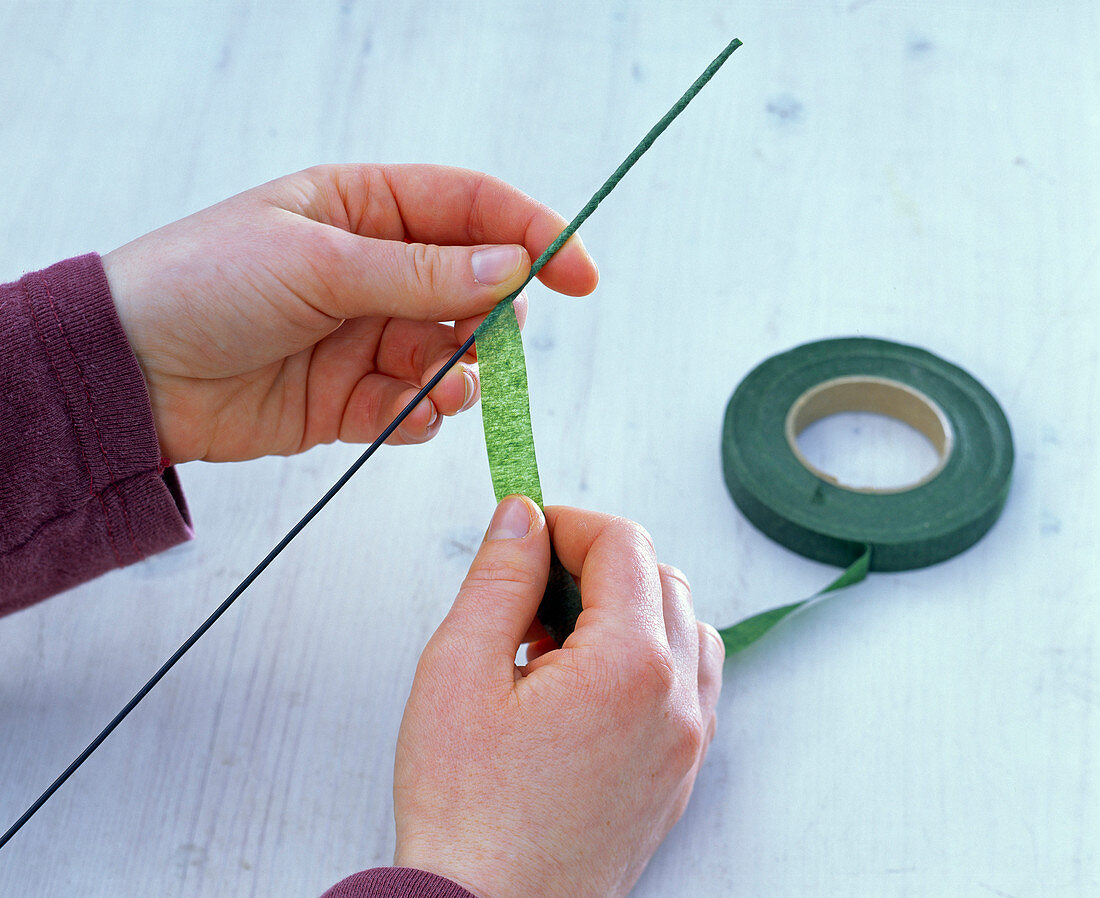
85,489
396,882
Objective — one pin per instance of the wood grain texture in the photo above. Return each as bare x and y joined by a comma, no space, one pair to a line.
925,172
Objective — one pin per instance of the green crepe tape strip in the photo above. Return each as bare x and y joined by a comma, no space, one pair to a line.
745,633
505,408
880,530
510,445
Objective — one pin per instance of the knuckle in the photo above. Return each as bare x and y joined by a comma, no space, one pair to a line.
476,217
327,253
321,173
361,410
712,729
495,573
369,201
426,270
651,672
633,537
368,406
537,213
414,356
707,633
687,737
436,655
669,572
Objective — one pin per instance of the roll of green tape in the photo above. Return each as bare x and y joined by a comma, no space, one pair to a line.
812,514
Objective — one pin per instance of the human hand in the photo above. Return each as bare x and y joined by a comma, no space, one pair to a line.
563,776
313,308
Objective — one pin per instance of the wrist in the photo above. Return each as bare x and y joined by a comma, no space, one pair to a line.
124,281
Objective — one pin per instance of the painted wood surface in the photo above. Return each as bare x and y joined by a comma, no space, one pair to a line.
925,172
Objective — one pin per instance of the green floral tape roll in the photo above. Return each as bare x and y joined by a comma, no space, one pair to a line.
812,514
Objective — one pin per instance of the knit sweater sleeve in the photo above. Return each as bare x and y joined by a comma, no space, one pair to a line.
83,488
396,882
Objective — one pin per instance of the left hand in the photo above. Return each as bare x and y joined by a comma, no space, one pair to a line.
312,308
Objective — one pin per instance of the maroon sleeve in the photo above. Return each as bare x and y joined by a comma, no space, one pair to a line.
83,488
396,882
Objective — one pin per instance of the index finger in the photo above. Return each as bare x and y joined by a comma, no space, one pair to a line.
619,579
455,207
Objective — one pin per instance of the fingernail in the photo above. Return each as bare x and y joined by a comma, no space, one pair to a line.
512,519
418,436
469,383
496,264
433,414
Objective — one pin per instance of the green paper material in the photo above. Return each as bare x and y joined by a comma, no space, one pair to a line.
743,634
505,408
908,529
510,445
888,531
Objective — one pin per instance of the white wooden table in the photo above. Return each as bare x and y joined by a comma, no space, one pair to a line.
924,172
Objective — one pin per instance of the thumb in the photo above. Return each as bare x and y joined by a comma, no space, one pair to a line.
501,593
423,281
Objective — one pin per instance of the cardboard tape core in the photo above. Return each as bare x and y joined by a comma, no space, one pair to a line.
880,396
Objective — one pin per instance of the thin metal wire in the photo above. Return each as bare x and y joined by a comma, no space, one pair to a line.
558,243
232,597
617,175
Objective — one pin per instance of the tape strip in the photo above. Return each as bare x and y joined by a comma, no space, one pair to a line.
506,409
819,518
510,445
745,633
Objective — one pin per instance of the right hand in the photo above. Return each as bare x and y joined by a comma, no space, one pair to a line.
563,776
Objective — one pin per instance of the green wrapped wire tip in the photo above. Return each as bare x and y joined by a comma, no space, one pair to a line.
613,180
